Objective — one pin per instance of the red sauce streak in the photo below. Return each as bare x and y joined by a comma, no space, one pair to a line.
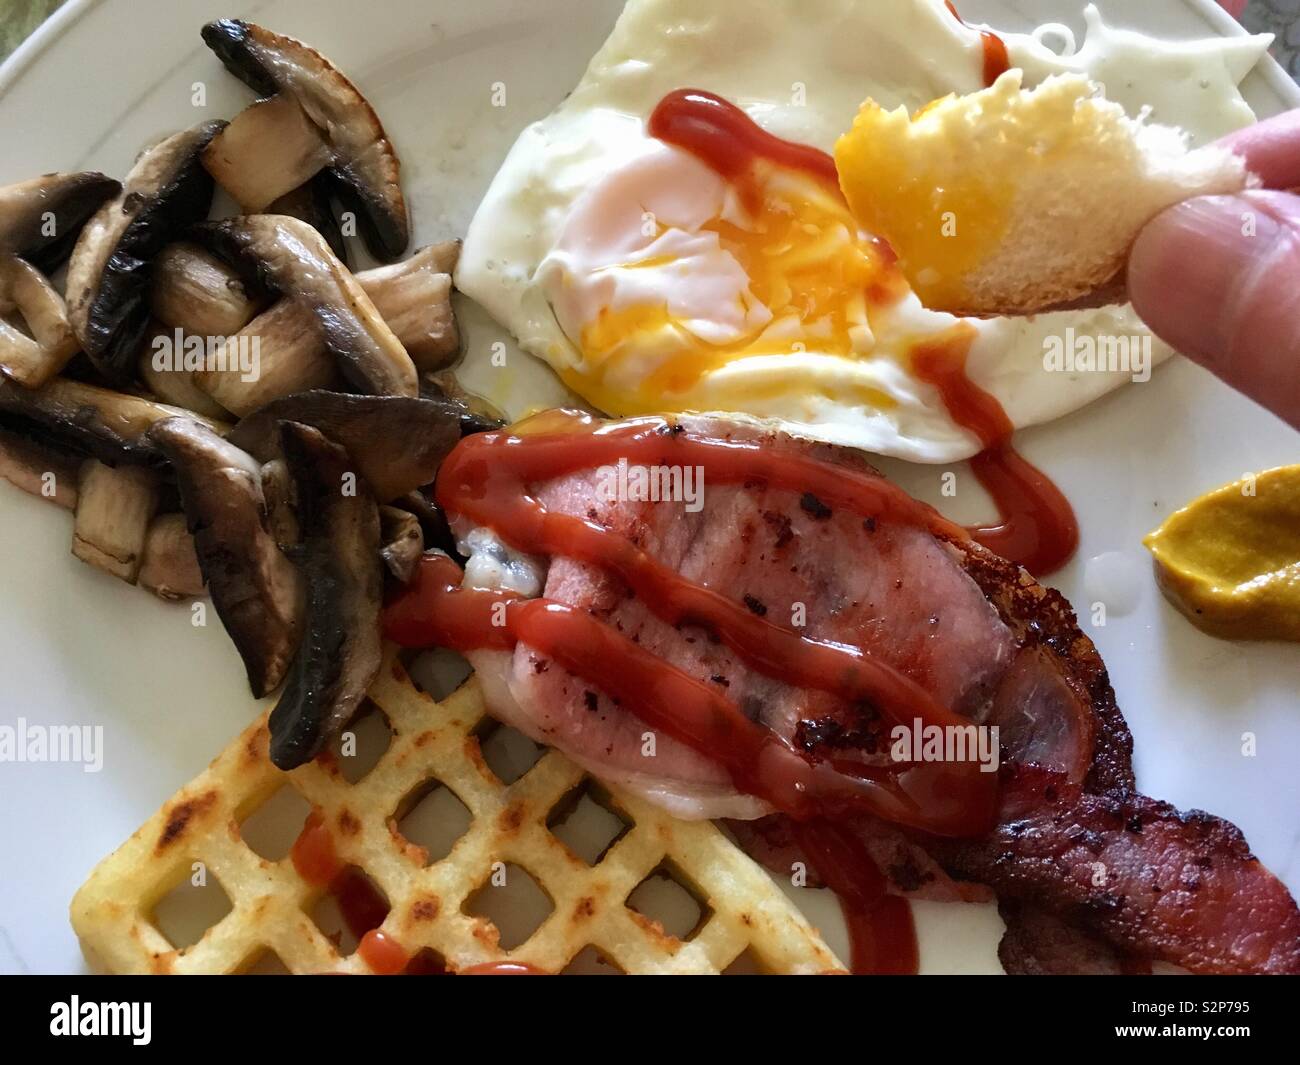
361,906
360,903
881,932
727,140
1038,527
382,953
996,60
313,852
503,968
486,479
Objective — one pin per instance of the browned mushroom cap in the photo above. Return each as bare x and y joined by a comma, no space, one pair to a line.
363,163
340,652
33,359
40,218
255,589
289,257
108,275
88,420
310,203
398,444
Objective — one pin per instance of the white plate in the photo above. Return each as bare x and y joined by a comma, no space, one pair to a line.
105,77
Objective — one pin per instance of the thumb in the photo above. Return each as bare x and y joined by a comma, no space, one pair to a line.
1219,279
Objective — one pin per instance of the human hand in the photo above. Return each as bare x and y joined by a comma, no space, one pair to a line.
1218,277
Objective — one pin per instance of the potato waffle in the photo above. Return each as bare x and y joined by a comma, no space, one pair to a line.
439,910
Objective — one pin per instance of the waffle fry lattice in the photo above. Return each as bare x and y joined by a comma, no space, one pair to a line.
744,912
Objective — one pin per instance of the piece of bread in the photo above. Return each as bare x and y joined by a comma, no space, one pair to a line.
1013,200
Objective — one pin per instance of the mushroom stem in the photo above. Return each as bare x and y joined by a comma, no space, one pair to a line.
195,291
278,353
114,508
171,566
31,361
414,298
277,486
268,149
174,383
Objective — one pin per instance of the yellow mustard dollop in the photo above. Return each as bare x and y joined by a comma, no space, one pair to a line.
1230,560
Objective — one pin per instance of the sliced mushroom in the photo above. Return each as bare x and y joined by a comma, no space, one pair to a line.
171,565
40,218
89,420
195,291
414,297
403,541
33,360
362,162
398,444
255,588
39,470
288,256
283,352
111,265
114,508
340,652
310,203
282,519
163,370
267,150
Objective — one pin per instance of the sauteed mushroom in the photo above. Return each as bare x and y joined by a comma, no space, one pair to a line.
40,218
288,256
108,274
256,590
340,652
361,159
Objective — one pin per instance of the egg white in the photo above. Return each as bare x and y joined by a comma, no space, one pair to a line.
800,69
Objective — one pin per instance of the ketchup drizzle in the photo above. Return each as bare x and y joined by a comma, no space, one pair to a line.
996,60
360,904
1038,527
727,140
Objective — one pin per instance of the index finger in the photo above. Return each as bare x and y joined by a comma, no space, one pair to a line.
1271,149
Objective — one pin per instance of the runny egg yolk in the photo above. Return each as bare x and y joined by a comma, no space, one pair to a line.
808,278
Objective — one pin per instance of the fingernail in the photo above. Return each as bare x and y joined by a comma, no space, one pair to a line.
1192,267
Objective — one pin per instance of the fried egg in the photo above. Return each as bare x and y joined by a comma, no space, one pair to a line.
649,282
